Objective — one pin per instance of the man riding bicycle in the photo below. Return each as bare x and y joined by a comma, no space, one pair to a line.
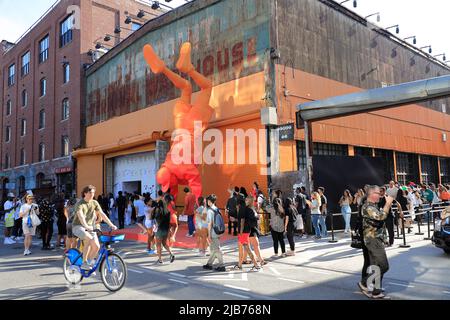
86,212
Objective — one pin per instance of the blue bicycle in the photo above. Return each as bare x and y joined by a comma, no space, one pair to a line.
113,269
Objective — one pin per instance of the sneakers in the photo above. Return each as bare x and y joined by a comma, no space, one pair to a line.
151,252
172,258
207,267
189,235
362,287
380,296
27,252
220,269
290,253
86,266
9,241
283,255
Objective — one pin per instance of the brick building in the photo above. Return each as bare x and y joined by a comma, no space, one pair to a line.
263,54
42,88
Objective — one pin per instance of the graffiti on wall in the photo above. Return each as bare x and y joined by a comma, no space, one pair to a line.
229,40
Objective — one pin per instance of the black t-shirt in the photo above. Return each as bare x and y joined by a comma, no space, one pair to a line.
121,202
232,206
290,213
245,213
323,200
403,202
301,203
162,219
382,203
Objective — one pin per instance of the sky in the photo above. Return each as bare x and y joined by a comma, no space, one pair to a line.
426,19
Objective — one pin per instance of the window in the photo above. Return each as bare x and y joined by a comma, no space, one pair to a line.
388,163
135,26
8,134
65,36
24,98
66,73
301,155
21,184
39,179
445,169
23,128
429,169
8,107
43,87
320,149
326,149
7,163
22,157
407,169
65,109
25,64
64,146
361,151
43,49
41,152
42,119
11,74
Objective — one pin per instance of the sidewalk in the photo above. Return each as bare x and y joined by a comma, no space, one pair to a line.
133,233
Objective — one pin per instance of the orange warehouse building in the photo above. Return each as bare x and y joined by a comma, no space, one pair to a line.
263,57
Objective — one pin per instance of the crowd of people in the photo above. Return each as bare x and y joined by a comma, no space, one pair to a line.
378,208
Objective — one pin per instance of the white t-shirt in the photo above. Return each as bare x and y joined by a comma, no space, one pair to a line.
8,205
140,207
315,209
26,209
111,203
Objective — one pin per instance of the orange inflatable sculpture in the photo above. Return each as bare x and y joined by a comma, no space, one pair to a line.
185,114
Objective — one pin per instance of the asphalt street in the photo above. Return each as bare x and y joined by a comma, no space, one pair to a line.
319,270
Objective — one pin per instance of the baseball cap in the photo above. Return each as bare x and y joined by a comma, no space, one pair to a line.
11,195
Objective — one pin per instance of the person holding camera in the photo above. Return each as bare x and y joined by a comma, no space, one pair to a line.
29,228
373,221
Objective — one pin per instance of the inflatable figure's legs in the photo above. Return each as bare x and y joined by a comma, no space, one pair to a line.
195,182
158,66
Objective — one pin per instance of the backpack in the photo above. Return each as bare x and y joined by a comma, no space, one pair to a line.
294,215
300,199
218,223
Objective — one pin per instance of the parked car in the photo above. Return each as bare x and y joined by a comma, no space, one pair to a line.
441,235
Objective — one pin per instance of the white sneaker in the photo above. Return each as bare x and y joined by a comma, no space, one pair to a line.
9,241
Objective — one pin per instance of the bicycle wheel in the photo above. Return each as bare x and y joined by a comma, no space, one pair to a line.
71,273
115,279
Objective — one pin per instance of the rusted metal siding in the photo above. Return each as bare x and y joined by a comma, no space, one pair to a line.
229,40
318,39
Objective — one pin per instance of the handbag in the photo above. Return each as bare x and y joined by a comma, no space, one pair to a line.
35,221
356,242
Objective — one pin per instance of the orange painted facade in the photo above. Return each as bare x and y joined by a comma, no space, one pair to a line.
236,105
412,128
